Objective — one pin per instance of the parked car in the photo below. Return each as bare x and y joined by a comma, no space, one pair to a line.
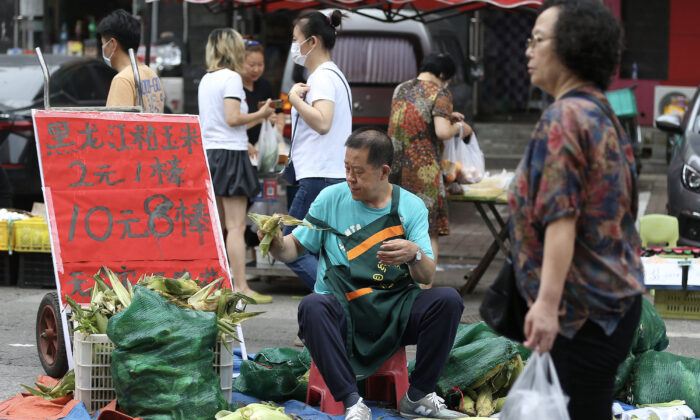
684,170
75,81
376,56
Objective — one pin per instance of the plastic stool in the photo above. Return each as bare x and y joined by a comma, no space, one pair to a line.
388,383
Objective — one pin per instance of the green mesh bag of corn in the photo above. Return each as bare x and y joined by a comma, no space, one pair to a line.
651,332
650,335
276,373
481,366
162,363
659,377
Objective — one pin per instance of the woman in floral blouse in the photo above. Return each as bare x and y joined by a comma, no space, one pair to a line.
573,203
421,118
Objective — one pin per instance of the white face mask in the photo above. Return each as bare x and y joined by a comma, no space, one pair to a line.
295,50
108,60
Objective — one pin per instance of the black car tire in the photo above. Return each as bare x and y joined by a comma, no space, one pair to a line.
49,337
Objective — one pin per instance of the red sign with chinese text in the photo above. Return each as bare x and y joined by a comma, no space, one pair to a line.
128,191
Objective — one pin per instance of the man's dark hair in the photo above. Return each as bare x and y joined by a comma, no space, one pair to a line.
381,151
440,65
324,27
122,26
588,39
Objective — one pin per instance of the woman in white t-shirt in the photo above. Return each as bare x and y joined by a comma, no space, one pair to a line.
321,120
223,115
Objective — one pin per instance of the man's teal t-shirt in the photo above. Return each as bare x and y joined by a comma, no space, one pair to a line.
335,206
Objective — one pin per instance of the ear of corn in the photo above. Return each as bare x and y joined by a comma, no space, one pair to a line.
484,401
119,289
270,226
498,404
467,406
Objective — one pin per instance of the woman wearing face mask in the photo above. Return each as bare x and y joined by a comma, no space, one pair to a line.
223,114
421,118
321,121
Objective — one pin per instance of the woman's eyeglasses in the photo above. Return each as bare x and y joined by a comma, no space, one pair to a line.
532,42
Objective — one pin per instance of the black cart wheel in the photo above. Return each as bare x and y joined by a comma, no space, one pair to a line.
49,337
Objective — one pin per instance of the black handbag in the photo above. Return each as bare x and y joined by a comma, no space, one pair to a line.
503,308
288,173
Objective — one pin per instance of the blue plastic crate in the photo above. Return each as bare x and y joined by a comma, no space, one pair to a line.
623,102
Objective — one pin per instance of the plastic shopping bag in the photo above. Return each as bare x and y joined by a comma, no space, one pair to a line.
536,394
462,162
267,146
473,164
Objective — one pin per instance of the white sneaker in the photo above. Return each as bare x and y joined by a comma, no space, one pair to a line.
431,406
359,411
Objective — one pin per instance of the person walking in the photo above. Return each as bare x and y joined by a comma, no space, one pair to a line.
321,121
223,114
421,118
573,203
120,31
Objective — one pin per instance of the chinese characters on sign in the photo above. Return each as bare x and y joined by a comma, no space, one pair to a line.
129,191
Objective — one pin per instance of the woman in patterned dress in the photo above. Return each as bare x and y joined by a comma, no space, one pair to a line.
421,118
573,203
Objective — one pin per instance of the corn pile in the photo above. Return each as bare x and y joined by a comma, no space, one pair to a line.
60,389
106,302
255,411
270,226
486,395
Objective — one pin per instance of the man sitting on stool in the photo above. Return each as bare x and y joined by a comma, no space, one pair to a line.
373,248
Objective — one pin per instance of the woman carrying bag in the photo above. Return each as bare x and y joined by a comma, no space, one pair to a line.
573,202
421,119
321,122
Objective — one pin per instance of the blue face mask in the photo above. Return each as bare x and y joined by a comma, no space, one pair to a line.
108,60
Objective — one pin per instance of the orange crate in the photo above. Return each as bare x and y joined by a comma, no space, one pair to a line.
31,235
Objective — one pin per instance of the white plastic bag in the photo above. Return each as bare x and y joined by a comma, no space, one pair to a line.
473,163
679,412
267,146
462,162
536,394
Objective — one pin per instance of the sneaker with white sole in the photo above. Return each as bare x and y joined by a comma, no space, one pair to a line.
431,406
359,411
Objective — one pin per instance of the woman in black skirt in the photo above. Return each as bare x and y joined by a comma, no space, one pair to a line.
223,114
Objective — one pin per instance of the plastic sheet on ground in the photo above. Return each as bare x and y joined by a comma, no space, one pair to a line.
308,412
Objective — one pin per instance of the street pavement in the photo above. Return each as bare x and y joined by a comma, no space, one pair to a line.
277,327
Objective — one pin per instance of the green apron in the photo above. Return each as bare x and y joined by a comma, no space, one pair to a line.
377,299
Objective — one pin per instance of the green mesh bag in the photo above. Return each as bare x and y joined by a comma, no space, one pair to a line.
622,376
275,374
162,363
651,332
476,351
662,377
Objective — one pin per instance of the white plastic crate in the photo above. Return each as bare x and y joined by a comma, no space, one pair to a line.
92,356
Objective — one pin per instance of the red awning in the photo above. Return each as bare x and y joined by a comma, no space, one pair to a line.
394,10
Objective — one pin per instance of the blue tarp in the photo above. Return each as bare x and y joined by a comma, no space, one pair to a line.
308,412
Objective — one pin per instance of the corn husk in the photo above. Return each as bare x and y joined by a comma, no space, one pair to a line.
63,387
270,226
